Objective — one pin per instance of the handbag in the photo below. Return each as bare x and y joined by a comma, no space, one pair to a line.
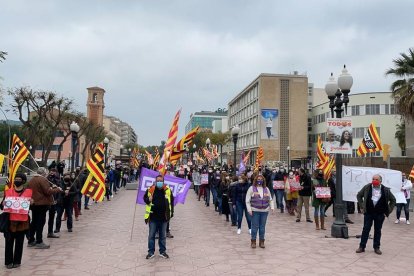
4,222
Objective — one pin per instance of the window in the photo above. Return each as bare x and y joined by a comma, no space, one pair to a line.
309,106
387,109
355,110
310,90
392,109
372,109
309,124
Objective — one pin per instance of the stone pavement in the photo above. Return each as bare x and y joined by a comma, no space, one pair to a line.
204,244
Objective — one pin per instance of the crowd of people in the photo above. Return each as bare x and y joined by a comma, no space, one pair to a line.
55,197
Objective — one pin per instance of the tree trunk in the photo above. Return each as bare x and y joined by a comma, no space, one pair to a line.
65,138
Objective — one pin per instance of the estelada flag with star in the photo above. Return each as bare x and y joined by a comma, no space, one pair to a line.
94,186
17,155
371,141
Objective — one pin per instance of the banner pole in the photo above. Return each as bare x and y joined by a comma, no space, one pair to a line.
133,221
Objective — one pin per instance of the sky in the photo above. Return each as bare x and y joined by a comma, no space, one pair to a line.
154,57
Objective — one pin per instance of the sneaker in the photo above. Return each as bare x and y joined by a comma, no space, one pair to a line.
149,256
42,246
52,236
250,231
31,244
408,222
164,255
238,231
397,221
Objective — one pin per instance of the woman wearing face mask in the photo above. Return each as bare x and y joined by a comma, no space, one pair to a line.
239,202
318,203
291,195
66,200
259,201
224,192
18,224
232,187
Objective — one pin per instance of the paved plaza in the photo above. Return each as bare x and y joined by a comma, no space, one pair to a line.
204,244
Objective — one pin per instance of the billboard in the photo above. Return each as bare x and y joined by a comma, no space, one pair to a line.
269,126
338,136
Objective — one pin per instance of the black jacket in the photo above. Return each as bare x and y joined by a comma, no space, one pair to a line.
306,183
364,197
160,209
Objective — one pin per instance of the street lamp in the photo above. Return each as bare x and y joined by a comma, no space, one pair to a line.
235,133
208,142
74,129
194,149
70,158
288,155
334,91
106,142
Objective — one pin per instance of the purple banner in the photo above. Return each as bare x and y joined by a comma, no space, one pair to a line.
179,186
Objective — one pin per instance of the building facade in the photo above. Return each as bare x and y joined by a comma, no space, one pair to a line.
363,108
205,119
272,113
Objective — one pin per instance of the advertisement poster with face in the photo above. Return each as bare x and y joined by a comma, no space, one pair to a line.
338,136
269,125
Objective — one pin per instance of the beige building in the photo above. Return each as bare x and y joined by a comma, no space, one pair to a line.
272,112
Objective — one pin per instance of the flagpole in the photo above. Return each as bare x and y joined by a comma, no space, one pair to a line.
133,220
33,159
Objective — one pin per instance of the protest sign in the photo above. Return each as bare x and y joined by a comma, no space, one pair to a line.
179,186
294,185
355,178
278,185
322,192
17,205
204,178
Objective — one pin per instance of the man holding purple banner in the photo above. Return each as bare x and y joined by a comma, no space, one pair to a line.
159,209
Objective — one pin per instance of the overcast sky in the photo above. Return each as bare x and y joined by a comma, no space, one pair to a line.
153,57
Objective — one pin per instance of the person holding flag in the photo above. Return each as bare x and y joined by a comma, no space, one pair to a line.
159,210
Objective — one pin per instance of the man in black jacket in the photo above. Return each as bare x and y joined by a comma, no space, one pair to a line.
159,210
304,195
376,202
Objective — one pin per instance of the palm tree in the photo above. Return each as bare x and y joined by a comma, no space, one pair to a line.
400,135
403,88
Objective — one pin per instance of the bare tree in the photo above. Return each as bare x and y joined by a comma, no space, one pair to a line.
2,56
93,133
41,113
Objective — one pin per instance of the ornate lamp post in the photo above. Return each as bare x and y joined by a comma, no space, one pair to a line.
106,142
74,129
235,133
335,91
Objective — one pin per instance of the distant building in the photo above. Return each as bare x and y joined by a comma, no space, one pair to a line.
204,120
363,108
272,113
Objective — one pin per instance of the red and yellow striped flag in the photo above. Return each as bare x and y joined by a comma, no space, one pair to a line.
247,157
182,145
169,146
411,173
327,170
17,155
371,141
94,186
259,157
323,158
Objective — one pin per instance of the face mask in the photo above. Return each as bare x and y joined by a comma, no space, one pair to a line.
18,183
160,184
291,174
210,171
260,182
274,171
404,178
66,179
376,183
227,177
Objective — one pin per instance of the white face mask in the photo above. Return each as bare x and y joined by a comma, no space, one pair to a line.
227,177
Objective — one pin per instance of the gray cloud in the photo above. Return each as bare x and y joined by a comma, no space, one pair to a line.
154,57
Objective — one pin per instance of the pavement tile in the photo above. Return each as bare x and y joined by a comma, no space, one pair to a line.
204,244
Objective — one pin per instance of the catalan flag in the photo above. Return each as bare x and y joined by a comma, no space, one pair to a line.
411,173
94,186
259,157
323,158
327,170
247,157
17,155
169,146
371,141
149,158
182,145
156,158
1,162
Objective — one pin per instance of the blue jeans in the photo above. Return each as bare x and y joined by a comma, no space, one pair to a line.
64,208
378,220
406,209
259,223
154,227
233,214
321,210
219,203
240,207
214,193
207,195
86,201
280,194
